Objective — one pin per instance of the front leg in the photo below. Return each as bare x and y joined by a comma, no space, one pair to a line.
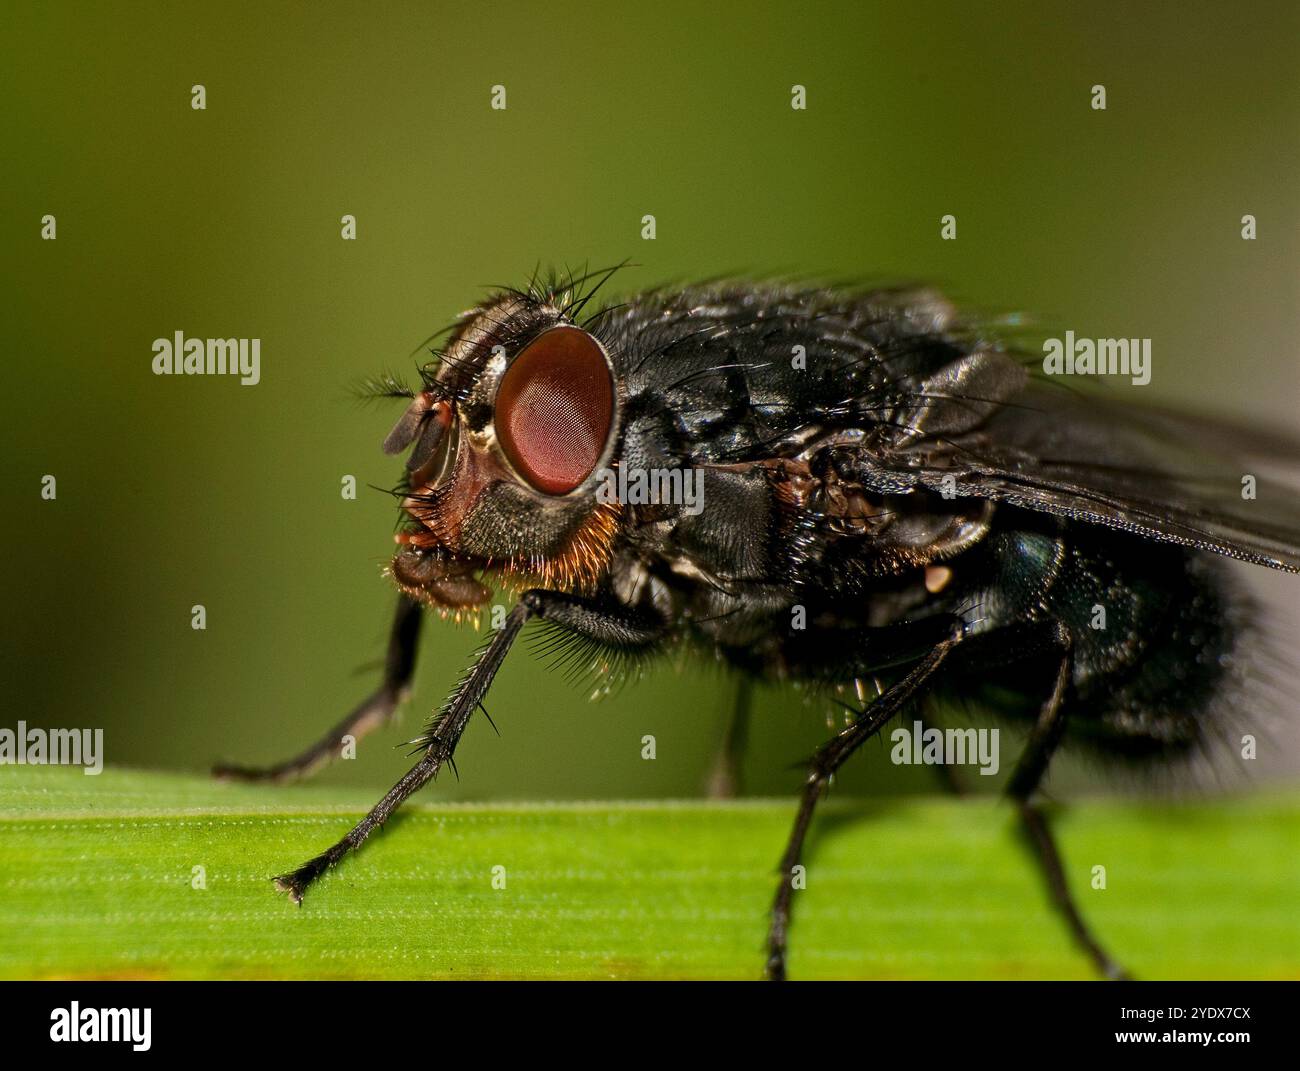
602,622
372,712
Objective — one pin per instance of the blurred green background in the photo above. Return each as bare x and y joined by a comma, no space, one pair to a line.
225,222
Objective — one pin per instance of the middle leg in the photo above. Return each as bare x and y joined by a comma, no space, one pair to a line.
724,777
826,760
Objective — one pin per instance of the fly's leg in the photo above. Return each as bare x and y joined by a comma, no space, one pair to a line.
1022,788
826,760
1009,646
371,713
946,775
724,778
439,742
611,626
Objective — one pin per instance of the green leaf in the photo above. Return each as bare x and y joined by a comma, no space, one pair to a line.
96,880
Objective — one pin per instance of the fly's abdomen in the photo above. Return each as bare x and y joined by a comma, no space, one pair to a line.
1153,630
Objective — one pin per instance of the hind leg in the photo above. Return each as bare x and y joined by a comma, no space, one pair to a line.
1023,788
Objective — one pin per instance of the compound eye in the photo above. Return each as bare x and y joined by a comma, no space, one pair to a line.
555,408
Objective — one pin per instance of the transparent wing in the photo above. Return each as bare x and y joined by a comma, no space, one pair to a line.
982,427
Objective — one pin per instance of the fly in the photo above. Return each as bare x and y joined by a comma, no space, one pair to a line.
889,501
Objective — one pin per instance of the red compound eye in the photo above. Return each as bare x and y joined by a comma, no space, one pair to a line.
555,408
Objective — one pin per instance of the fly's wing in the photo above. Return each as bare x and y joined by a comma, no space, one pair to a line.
980,426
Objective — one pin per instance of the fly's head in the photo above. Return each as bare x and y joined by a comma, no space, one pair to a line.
508,435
